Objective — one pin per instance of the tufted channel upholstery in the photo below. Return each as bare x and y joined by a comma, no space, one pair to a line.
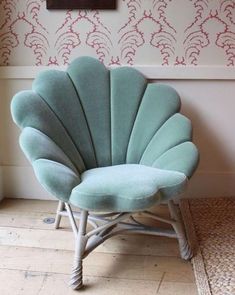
105,140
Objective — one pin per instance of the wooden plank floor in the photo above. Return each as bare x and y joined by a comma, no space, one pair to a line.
36,259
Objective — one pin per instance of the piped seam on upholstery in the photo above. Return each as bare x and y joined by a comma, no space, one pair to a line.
69,135
138,198
158,131
161,123
48,190
154,133
136,113
85,117
58,147
171,147
56,163
163,154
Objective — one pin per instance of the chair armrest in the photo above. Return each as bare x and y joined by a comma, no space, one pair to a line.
182,158
37,145
56,178
53,168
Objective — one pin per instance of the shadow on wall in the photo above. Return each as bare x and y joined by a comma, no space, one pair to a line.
1,184
15,168
1,142
214,176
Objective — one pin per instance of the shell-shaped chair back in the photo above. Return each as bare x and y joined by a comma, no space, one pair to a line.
91,117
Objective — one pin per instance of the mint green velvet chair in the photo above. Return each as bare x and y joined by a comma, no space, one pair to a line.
109,143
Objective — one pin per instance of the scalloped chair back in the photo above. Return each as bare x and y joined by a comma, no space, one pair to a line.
91,117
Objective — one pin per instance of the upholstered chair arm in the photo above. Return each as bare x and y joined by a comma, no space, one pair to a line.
56,178
52,167
182,158
171,147
43,132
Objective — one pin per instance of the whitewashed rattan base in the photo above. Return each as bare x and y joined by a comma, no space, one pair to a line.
105,226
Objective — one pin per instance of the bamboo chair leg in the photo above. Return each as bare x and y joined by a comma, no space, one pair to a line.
76,281
60,208
184,247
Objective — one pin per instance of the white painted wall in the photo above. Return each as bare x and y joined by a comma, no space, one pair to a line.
17,175
1,142
1,184
211,107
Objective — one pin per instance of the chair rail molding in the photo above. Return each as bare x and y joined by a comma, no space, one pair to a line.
206,72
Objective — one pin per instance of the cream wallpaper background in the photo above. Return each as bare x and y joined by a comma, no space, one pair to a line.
163,32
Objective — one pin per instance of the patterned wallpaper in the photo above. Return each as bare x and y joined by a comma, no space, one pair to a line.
159,32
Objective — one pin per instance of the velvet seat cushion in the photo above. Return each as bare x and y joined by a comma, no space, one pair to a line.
127,187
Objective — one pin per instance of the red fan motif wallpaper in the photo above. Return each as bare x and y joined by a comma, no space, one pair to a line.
159,32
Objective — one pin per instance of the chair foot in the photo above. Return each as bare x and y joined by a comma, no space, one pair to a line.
76,282
186,252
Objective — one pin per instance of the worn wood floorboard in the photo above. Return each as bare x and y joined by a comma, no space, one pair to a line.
36,259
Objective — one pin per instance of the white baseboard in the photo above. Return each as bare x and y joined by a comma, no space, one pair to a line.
20,182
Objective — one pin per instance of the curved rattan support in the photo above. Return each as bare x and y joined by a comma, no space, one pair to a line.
108,225
81,241
184,247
